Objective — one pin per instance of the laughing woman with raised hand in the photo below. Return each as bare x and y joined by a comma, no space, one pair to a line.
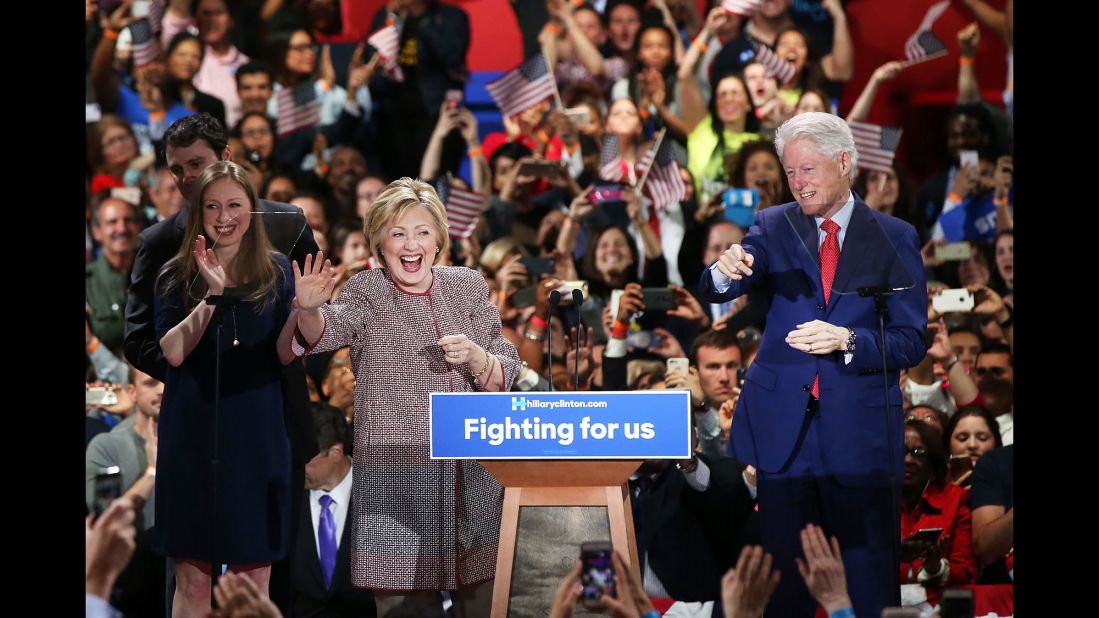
414,328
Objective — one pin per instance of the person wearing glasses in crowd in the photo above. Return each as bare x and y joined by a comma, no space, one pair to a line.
929,502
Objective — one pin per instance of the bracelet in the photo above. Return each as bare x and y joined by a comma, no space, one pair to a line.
93,346
652,613
538,322
950,363
488,363
474,152
846,612
110,34
534,335
619,330
701,45
963,61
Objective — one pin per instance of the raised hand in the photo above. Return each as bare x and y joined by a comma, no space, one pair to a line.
313,288
209,267
822,569
746,589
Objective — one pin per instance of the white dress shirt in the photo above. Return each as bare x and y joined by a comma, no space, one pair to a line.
341,496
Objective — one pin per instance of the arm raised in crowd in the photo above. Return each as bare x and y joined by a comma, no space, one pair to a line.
968,90
865,102
104,80
839,64
690,96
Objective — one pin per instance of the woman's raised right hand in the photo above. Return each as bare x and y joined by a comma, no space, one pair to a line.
314,288
209,267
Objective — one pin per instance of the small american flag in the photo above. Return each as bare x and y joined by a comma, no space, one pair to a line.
664,182
299,108
522,87
463,208
610,161
747,8
876,145
146,48
776,67
387,41
923,42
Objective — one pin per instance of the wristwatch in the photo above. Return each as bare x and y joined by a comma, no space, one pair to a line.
850,341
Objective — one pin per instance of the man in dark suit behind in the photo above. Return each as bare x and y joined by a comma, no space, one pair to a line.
811,416
322,565
191,145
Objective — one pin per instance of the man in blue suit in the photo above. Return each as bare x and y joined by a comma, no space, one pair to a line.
811,416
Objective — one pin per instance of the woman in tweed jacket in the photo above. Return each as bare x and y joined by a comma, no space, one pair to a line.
412,329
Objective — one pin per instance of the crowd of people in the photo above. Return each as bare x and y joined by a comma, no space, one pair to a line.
280,255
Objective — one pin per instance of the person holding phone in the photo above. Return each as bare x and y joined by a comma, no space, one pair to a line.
936,525
414,328
969,434
811,417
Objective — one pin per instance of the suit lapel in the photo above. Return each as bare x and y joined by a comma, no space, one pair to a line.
805,229
856,242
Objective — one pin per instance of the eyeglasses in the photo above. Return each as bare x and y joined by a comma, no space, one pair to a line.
118,139
999,372
916,452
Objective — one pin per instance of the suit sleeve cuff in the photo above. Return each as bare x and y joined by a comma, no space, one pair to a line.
720,279
699,479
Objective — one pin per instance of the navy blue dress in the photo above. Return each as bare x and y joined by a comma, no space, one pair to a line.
253,509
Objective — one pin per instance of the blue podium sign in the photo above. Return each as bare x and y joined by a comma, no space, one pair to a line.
561,425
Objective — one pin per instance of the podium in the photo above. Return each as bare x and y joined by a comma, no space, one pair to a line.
558,449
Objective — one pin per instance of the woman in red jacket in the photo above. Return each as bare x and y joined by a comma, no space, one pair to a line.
928,502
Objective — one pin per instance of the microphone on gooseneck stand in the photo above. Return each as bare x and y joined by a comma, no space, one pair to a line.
554,300
577,300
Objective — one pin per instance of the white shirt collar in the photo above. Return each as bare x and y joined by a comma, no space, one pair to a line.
843,216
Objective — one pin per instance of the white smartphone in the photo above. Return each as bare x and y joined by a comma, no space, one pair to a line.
578,115
616,295
953,251
967,157
953,300
140,8
678,363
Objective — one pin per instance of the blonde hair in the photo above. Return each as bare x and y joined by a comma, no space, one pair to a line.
394,202
253,267
492,257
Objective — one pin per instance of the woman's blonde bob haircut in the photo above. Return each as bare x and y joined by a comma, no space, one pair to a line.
394,202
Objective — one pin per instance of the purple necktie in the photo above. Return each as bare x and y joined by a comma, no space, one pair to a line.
326,534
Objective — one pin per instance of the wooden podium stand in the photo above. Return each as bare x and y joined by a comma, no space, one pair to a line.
560,483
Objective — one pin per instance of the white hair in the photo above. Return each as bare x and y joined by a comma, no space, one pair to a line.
829,134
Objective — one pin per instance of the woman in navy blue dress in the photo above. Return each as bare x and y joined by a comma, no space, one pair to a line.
246,523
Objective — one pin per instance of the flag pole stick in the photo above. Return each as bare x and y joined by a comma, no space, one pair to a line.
655,149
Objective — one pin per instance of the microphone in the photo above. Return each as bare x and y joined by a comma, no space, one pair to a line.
554,300
577,300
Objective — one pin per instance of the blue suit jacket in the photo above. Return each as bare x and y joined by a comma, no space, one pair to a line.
877,250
